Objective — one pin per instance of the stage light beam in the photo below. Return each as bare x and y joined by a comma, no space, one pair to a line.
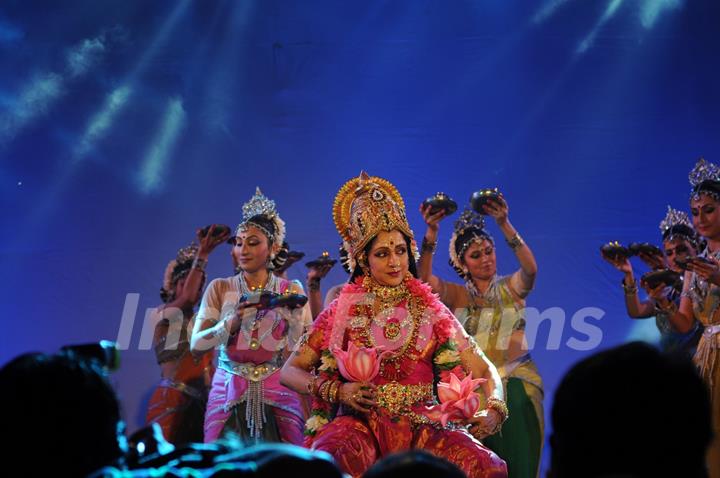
588,41
548,10
40,95
651,10
160,151
102,120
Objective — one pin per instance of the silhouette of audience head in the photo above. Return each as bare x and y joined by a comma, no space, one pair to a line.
59,415
630,411
412,464
227,457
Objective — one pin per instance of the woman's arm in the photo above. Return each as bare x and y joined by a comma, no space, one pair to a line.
209,331
427,249
298,373
191,291
523,279
636,308
682,318
488,421
315,298
477,364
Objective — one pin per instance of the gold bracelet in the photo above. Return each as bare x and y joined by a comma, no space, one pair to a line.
323,389
499,406
428,246
334,389
629,289
329,392
515,241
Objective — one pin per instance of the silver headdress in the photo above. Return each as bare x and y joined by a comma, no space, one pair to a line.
677,225
176,268
469,220
705,179
704,171
674,218
261,205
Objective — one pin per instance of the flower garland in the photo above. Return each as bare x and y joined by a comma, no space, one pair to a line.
446,356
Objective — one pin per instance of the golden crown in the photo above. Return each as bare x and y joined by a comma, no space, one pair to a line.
363,207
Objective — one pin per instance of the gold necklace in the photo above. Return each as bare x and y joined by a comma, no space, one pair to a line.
389,297
386,297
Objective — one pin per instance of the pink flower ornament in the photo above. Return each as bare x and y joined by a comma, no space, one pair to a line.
458,401
359,364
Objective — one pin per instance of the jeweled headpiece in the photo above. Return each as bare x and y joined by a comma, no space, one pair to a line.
469,228
705,179
177,268
365,206
260,212
677,225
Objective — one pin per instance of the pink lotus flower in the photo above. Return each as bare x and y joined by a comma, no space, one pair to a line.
456,389
359,364
457,399
469,405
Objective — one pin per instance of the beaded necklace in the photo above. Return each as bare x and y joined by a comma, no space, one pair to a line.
249,327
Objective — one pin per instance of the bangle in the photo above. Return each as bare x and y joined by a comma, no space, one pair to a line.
499,406
428,246
322,390
199,264
515,241
629,289
314,284
334,389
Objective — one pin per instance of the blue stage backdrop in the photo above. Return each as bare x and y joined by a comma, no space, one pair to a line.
124,126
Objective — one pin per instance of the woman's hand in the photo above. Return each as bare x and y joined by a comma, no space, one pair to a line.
242,309
707,270
208,242
654,261
317,273
358,395
485,423
431,219
657,292
620,263
498,209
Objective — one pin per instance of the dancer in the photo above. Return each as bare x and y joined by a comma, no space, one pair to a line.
701,292
359,416
491,309
679,242
253,342
178,402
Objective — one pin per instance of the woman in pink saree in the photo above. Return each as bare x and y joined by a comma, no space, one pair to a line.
253,342
373,356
